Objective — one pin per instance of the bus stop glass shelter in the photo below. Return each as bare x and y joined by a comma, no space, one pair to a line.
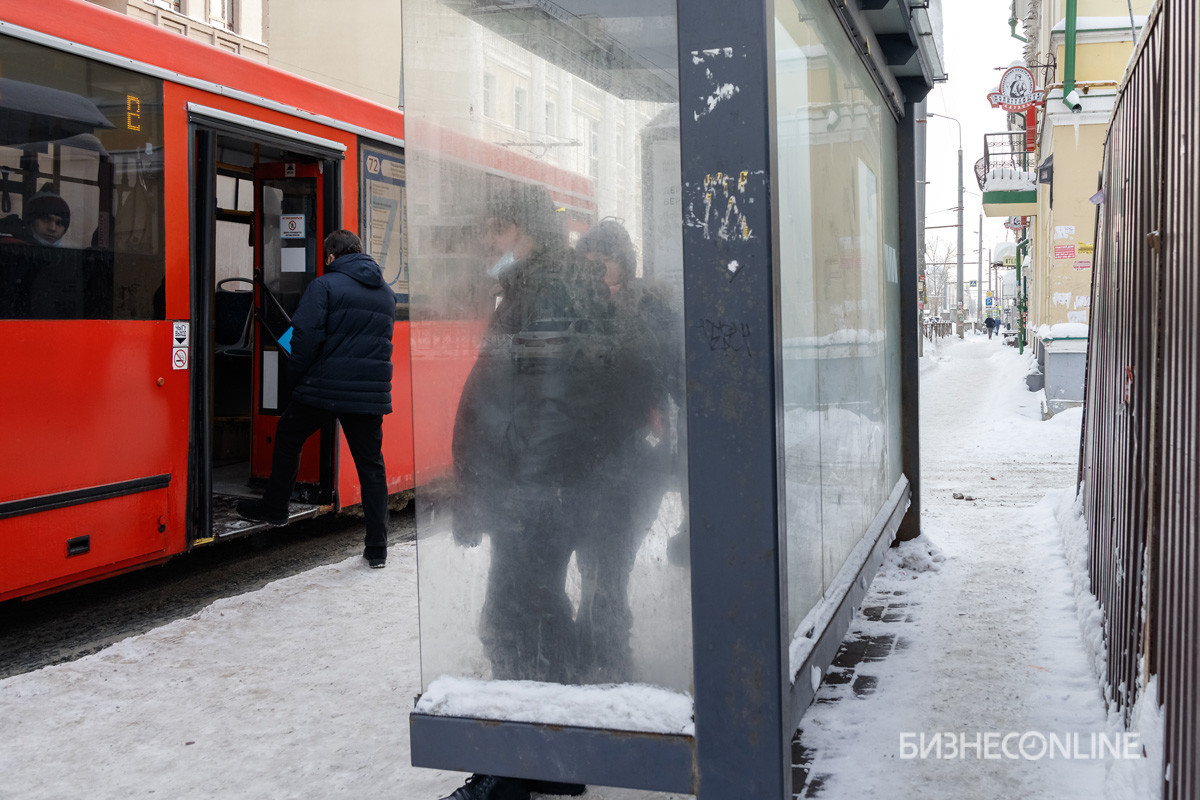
664,253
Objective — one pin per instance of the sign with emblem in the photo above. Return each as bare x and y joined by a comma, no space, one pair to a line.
1016,91
291,226
180,336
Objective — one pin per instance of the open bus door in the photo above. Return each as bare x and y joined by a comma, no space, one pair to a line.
262,210
288,218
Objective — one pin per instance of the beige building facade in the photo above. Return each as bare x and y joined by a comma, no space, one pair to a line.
238,26
1046,168
353,45
1078,51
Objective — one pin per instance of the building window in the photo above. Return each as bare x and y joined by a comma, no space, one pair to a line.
489,94
520,108
594,148
220,14
551,119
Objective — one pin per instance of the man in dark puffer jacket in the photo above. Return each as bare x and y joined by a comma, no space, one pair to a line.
340,367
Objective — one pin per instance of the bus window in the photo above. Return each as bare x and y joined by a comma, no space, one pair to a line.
81,197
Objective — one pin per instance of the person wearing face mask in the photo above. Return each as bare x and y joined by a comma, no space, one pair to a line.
47,218
34,272
526,445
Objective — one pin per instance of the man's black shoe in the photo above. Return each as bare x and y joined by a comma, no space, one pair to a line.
376,556
254,510
556,788
490,787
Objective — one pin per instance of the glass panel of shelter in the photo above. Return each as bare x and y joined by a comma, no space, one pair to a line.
546,281
839,234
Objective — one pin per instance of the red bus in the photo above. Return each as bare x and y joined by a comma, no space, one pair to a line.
140,376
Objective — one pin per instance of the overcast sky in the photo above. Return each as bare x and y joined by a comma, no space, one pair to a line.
978,47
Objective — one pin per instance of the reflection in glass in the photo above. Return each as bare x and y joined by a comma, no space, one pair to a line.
81,222
838,244
545,265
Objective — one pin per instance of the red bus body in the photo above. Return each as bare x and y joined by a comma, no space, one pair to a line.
88,404
112,428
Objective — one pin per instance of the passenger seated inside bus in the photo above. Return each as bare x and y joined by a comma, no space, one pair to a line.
44,276
44,220
47,217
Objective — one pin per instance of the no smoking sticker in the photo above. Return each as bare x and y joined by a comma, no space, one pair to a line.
291,226
180,334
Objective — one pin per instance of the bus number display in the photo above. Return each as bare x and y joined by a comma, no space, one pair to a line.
133,112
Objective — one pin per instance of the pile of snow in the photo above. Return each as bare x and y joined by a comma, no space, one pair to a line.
1010,179
1064,330
912,558
1140,778
621,707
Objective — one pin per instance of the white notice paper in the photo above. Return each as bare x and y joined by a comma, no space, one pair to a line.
291,259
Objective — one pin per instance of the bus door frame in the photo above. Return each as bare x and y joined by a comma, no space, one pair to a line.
264,418
206,125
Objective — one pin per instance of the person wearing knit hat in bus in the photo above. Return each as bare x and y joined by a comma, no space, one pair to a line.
47,216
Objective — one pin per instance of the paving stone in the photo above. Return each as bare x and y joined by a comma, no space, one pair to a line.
865,685
873,613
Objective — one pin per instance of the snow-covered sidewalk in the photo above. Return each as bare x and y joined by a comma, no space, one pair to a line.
996,673
302,689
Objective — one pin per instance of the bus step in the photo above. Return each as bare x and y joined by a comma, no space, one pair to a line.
227,523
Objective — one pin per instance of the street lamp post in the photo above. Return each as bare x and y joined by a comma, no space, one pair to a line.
959,312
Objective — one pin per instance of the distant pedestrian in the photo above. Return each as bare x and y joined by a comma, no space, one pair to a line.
340,368
990,322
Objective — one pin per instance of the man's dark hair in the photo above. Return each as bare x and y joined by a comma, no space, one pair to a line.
609,239
342,242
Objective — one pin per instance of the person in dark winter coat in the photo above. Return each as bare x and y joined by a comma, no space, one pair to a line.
638,418
48,217
340,368
991,326
527,440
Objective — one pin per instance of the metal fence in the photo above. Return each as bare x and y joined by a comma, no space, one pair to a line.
1141,431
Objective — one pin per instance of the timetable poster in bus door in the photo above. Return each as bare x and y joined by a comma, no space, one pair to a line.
383,215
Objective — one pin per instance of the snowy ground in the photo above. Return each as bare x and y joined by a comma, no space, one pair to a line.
1003,636
302,689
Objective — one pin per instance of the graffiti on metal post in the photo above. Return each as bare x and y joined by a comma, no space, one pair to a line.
719,205
719,90
726,336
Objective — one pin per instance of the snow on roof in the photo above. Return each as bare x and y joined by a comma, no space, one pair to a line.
1007,179
1066,330
1003,250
